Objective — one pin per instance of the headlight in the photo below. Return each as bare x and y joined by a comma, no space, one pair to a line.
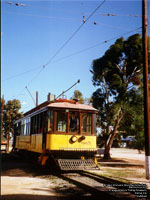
74,139
82,138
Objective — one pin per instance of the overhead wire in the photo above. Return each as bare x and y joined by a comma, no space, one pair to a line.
77,30
51,17
63,18
22,73
67,41
41,16
49,61
69,11
107,25
98,44
120,15
78,52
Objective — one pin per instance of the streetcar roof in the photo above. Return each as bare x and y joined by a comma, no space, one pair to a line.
60,104
68,105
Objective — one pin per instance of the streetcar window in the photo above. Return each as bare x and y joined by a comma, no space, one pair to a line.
74,122
95,120
38,123
22,127
41,122
50,120
34,125
17,128
25,126
87,123
27,131
29,125
44,122
61,121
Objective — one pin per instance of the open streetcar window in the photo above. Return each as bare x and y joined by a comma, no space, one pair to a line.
61,121
17,128
28,124
22,127
42,122
74,122
87,123
25,126
50,116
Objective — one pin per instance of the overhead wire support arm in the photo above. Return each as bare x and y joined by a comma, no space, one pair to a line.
68,89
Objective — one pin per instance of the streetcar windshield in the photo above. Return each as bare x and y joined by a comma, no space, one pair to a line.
87,123
61,121
74,122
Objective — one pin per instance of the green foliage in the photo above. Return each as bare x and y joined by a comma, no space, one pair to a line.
11,114
118,76
101,140
140,141
78,95
133,121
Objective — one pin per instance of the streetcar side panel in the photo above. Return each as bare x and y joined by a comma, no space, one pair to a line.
30,143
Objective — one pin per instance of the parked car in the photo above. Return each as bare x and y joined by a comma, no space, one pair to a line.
128,141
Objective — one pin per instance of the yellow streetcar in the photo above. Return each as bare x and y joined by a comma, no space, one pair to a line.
60,130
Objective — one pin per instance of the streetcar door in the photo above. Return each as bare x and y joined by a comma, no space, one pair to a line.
44,140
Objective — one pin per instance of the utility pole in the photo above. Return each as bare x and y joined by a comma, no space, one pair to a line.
146,89
8,136
2,108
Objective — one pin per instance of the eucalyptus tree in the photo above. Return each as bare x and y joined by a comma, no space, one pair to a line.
117,74
78,95
11,113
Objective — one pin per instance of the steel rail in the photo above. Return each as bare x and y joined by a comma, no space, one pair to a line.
98,192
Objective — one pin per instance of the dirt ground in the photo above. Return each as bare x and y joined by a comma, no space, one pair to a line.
23,180
135,162
19,181
130,155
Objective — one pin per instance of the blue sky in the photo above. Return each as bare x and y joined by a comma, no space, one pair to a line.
31,36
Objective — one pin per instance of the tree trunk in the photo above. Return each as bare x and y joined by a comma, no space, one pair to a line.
113,134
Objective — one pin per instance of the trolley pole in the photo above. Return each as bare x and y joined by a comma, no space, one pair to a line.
146,89
36,98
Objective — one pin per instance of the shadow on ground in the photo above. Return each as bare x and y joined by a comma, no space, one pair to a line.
16,166
44,197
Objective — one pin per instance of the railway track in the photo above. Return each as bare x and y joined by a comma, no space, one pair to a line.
100,187
93,185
